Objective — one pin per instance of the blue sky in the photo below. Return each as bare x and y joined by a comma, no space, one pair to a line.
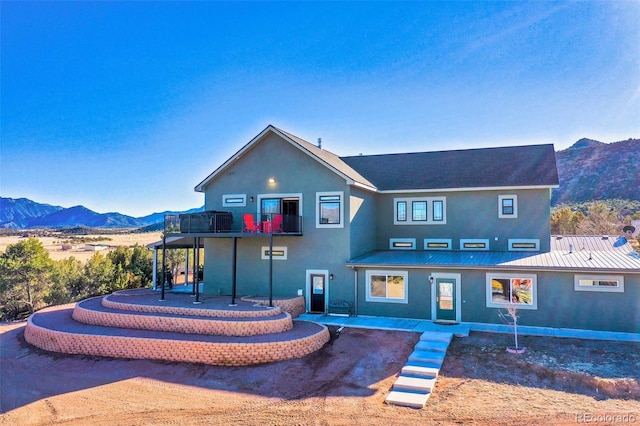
126,106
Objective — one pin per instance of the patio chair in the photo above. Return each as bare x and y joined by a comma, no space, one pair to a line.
276,224
249,223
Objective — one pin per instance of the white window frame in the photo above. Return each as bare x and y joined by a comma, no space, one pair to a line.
513,215
319,196
512,275
242,200
596,277
370,298
428,241
402,243
484,241
409,211
264,252
513,241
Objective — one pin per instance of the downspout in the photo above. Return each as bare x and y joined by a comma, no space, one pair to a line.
271,270
355,291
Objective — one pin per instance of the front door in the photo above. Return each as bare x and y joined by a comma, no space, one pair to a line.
316,291
445,299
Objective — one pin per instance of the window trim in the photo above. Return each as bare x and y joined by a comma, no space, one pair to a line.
511,275
598,277
402,243
465,241
514,241
367,283
408,218
341,203
501,213
264,252
242,200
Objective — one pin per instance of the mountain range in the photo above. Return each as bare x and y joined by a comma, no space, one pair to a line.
589,170
22,213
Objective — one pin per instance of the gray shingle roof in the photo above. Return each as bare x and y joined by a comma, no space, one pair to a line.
515,166
590,253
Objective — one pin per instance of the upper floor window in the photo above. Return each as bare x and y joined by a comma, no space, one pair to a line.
234,200
524,244
420,211
508,206
330,209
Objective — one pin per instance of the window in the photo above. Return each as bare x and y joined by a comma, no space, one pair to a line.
524,245
279,253
437,244
508,206
604,283
419,212
474,244
387,286
402,243
330,210
422,211
438,210
517,290
401,209
234,200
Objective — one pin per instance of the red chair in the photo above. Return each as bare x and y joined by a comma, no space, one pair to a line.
276,224
249,223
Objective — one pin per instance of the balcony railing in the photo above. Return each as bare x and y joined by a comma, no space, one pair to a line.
226,222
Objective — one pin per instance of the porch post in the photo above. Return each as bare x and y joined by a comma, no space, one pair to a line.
271,270
186,266
197,256
233,272
155,268
164,265
195,269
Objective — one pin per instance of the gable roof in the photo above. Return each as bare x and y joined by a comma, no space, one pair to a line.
514,166
326,158
504,167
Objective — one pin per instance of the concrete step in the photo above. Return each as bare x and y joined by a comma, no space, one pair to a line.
414,384
436,336
408,399
420,369
432,357
430,345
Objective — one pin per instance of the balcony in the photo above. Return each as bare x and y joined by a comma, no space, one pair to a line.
226,224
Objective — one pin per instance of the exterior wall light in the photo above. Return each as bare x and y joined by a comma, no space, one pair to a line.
331,277
430,279
272,181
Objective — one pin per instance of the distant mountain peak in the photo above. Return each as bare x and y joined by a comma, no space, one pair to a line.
586,143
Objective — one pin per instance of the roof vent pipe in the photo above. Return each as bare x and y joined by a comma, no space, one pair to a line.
320,143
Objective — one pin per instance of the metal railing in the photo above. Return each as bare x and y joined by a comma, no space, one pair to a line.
227,222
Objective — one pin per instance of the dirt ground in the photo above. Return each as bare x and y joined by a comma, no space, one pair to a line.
556,381
53,245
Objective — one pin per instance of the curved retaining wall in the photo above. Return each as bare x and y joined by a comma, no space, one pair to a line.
295,305
175,310
183,324
213,353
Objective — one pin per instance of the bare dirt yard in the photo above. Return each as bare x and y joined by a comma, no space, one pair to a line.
556,381
54,244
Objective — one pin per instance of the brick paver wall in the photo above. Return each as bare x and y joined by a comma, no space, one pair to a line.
223,354
184,324
295,306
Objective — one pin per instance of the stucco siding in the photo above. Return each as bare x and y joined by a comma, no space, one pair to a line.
471,215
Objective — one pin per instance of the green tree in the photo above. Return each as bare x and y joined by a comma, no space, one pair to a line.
133,267
67,281
98,277
565,221
24,274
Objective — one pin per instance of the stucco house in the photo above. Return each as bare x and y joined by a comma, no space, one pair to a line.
449,236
